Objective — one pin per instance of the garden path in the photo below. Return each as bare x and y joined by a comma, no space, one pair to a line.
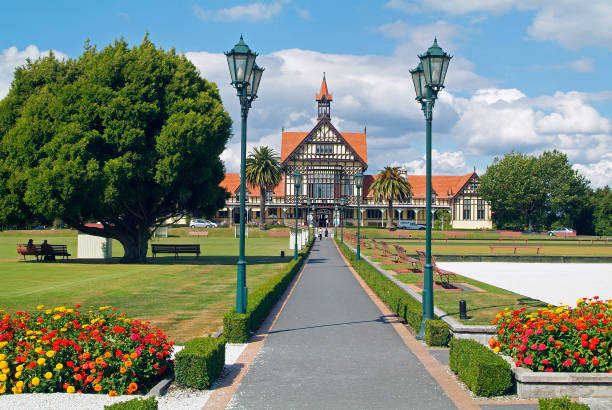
331,348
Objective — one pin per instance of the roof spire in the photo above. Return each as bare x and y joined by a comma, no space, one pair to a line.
323,92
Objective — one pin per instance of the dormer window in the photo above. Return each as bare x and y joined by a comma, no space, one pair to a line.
269,195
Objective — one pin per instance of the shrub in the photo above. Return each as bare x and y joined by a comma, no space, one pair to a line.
484,372
560,403
237,328
134,404
437,333
391,294
558,339
90,351
200,363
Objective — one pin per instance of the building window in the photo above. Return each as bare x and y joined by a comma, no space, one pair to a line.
324,149
480,209
374,214
269,195
466,209
348,214
347,188
223,214
272,211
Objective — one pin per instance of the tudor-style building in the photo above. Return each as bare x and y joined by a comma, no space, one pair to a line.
328,160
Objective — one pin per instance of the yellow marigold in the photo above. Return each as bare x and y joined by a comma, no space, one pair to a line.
35,381
63,329
6,370
55,317
70,310
17,375
50,353
38,349
40,307
29,332
48,311
2,389
3,343
19,368
19,384
3,377
496,349
59,366
3,364
48,375
99,360
2,356
70,389
41,361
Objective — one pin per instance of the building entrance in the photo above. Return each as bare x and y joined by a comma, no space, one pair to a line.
323,218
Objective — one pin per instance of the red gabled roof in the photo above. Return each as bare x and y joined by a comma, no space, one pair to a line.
231,183
323,92
289,142
445,186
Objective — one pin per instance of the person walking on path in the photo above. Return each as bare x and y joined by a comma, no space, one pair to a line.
331,348
326,233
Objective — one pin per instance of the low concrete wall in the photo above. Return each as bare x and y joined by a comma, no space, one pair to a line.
533,385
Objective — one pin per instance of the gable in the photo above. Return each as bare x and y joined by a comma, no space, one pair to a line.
324,142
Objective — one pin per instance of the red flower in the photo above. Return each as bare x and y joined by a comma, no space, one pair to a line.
545,361
69,363
595,361
582,360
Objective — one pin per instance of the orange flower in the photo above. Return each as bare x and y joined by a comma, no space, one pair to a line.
122,370
98,387
99,360
132,387
112,393
133,355
127,363
107,354
550,328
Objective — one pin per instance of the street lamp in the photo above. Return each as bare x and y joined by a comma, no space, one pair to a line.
297,184
428,79
246,76
342,203
336,218
314,215
358,184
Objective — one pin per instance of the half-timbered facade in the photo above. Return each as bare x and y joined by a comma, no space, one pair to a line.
328,161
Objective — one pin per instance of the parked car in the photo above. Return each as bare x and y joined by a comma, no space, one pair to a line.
409,225
562,232
202,223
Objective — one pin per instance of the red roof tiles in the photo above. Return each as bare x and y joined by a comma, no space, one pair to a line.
445,186
231,183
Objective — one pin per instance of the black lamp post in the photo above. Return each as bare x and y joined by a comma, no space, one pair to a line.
297,184
314,218
358,184
342,203
428,79
246,76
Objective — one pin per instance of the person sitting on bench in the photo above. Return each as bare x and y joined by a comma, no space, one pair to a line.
47,250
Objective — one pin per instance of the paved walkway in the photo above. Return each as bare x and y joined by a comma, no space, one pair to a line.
330,348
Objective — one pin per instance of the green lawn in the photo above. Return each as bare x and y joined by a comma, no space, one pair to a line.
186,298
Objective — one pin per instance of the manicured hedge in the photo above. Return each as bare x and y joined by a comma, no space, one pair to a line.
134,404
237,328
561,403
200,363
393,296
484,372
437,333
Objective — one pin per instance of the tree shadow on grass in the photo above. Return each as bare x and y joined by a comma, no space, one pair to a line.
525,302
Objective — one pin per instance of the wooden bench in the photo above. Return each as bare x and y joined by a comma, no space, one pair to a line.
444,275
36,250
198,233
454,234
515,247
175,249
279,234
401,232
403,257
512,236
388,253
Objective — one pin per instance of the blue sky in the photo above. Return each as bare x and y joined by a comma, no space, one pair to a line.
527,75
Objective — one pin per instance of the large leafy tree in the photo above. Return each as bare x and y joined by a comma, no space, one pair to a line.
602,207
534,192
390,186
128,137
263,170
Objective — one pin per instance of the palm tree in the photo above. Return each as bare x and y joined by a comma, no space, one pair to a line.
391,186
263,170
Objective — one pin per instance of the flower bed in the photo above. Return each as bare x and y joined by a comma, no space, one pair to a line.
89,351
560,339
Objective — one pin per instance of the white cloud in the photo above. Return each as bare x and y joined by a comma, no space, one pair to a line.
403,6
11,58
442,163
581,65
599,172
572,23
252,12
